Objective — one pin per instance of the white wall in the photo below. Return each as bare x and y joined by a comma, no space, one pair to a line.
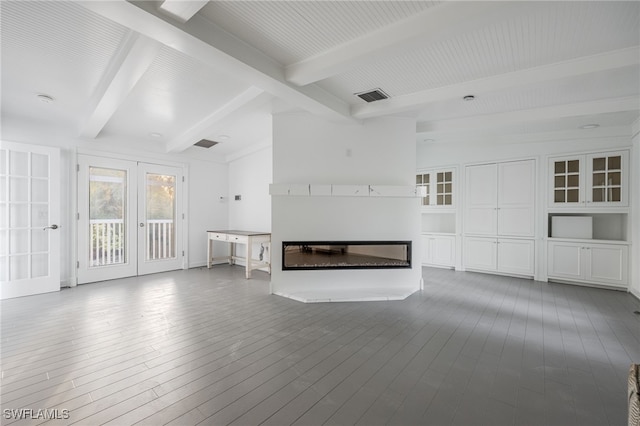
250,177
208,182
308,150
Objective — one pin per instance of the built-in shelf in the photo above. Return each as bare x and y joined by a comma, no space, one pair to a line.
439,223
589,226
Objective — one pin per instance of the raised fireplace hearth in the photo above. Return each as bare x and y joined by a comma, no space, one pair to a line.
312,255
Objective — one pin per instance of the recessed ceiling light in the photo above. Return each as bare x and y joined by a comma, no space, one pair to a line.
590,126
155,135
223,137
469,98
44,98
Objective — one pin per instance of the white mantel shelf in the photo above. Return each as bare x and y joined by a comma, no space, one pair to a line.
331,190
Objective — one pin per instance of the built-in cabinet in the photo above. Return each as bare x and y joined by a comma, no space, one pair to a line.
499,217
437,189
438,250
589,262
589,180
497,225
505,255
500,199
588,232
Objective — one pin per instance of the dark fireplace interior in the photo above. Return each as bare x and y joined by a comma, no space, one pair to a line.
309,255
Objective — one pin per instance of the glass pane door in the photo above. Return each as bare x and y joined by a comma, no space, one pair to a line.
159,218
106,219
29,219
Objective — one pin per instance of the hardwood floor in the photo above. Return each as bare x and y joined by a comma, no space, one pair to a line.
209,347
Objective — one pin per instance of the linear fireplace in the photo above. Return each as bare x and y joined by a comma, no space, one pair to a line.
310,255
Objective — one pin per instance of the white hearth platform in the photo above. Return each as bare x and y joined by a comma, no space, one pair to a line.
348,295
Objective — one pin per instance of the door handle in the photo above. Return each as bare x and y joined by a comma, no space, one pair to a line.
141,224
54,226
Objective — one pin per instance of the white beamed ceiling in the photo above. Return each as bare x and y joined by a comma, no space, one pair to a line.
120,71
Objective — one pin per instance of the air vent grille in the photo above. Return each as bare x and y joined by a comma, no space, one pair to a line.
206,143
372,95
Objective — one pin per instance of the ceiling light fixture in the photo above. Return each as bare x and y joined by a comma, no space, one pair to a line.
469,98
45,98
223,137
590,126
155,135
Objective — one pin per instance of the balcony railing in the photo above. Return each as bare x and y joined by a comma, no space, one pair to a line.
160,239
108,241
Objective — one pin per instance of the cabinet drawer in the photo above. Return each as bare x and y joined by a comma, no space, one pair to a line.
219,237
238,239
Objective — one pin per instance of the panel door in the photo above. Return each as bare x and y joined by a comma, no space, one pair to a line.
565,260
516,256
29,219
480,253
481,199
607,264
516,198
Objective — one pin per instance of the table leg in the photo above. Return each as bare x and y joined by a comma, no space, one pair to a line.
208,253
232,252
248,257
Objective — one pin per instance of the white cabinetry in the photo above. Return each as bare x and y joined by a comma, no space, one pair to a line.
500,199
589,262
499,223
589,180
438,195
439,250
437,187
505,255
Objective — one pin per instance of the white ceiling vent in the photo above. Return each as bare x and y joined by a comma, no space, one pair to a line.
372,95
206,143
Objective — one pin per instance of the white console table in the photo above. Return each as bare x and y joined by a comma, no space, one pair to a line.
233,237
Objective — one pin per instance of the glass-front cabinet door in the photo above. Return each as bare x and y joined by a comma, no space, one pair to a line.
590,180
607,178
567,187
436,187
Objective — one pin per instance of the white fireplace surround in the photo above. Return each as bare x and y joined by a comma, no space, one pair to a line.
336,181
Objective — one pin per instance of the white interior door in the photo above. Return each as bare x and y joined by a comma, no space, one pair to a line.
129,218
159,218
107,208
29,219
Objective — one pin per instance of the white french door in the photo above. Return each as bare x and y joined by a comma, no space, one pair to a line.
159,218
29,219
129,218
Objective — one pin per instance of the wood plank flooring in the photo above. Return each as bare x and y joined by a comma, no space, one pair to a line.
209,347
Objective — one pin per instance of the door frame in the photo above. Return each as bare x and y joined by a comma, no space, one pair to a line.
136,158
